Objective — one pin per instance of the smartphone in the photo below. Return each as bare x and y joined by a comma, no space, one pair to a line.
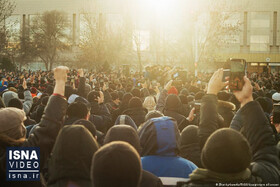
226,74
175,75
238,69
276,113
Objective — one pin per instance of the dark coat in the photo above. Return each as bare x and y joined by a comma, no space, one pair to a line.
255,127
182,121
100,117
137,114
226,110
43,136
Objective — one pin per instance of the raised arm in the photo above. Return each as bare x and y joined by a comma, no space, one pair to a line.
209,108
28,101
45,134
255,126
162,96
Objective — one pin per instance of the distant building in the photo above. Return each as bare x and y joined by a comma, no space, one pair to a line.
258,41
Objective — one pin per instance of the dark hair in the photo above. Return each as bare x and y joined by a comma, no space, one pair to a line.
136,92
114,96
92,96
15,102
77,109
135,102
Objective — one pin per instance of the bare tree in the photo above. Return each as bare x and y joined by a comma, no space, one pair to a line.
49,37
6,9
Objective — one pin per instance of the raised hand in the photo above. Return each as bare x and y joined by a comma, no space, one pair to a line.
245,95
60,73
168,85
216,84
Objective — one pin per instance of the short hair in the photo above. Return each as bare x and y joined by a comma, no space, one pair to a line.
136,92
77,109
116,164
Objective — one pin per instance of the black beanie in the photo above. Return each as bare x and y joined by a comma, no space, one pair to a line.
226,151
15,102
123,133
135,102
172,102
184,99
189,135
116,164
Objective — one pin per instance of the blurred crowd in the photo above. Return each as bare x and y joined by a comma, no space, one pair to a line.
162,127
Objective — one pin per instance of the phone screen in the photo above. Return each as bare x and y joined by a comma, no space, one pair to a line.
237,72
176,75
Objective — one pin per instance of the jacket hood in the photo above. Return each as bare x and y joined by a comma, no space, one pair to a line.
7,96
173,103
125,120
137,110
159,136
226,104
123,133
72,154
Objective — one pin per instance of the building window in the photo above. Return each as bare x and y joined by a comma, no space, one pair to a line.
259,43
260,20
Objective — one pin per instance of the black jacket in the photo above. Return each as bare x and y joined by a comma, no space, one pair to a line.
100,117
226,110
43,136
255,127
137,114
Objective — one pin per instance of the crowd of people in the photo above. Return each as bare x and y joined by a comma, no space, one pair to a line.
157,128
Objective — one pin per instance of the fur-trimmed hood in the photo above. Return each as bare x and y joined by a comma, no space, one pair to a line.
226,104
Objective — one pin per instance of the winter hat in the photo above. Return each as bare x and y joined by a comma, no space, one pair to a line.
223,95
136,92
83,100
153,114
184,91
135,102
226,151
276,97
173,90
72,98
15,102
33,90
189,135
116,164
125,120
184,99
149,103
7,96
123,133
11,122
88,125
172,102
